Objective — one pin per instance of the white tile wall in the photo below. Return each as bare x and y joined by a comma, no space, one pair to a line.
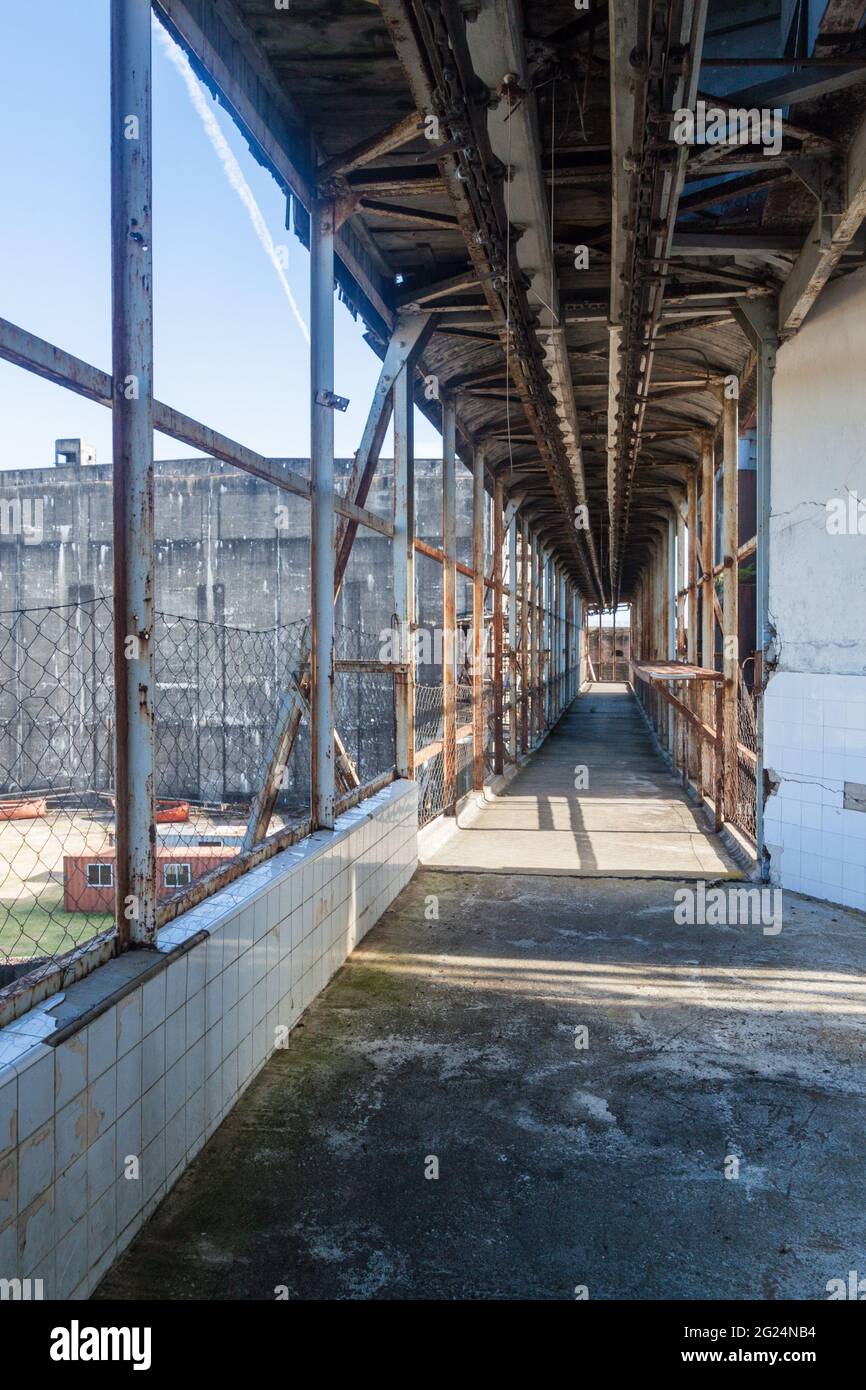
814,742
94,1130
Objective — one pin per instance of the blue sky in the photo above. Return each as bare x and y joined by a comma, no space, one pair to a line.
227,348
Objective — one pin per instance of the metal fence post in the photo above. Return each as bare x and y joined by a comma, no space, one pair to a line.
322,539
132,441
498,502
512,638
478,645
449,604
404,574
730,607
525,648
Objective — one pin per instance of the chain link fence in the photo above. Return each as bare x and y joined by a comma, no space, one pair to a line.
219,691
747,749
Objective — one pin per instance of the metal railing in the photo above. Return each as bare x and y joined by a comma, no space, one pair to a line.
690,726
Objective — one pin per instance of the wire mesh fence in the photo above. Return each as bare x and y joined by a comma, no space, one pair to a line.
698,755
745,814
219,693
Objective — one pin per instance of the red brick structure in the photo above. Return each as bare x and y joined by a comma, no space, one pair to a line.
88,879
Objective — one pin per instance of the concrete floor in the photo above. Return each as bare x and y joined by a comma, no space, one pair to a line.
631,819
450,1034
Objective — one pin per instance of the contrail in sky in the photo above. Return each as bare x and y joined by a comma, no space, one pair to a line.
231,168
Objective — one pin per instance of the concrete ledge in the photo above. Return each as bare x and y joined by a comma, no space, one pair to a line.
109,1090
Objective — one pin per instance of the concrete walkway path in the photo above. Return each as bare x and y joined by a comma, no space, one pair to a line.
631,819
439,1128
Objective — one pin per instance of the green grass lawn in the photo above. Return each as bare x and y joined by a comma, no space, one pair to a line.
43,929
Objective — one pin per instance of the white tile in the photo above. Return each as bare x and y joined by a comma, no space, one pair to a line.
8,1113
153,1057
35,1094
35,1164
101,1104
101,1044
70,1069
153,1112
128,1022
101,1165
175,1037
175,1088
71,1260
175,985
153,1003
129,1079
101,1229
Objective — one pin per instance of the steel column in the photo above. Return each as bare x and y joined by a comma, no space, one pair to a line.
525,648
322,537
708,553
478,645
132,442
512,638
404,574
730,637
498,505
449,603
692,623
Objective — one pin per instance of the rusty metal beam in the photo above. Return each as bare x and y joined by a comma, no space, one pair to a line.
322,556
449,604
478,643
403,565
132,440
498,746
365,151
730,629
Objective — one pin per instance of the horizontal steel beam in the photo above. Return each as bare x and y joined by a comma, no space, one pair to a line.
829,239
44,359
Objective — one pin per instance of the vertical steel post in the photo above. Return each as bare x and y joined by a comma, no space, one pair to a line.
478,644
565,608
693,745
132,442
708,557
404,574
533,639
512,638
498,750
692,624
681,584
322,537
766,350
449,603
730,579
525,648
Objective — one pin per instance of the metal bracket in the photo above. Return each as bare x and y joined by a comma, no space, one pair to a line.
332,401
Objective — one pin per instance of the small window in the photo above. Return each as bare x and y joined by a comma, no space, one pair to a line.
177,875
100,875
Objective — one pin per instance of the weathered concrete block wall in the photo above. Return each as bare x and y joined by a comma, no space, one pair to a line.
815,706
232,552
107,1092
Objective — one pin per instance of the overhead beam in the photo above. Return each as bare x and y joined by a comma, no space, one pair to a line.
758,244
365,151
827,242
241,70
803,85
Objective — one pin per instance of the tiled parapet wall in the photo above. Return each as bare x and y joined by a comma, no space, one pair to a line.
108,1091
815,749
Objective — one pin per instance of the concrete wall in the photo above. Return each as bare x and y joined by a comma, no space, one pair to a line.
107,1092
232,551
815,706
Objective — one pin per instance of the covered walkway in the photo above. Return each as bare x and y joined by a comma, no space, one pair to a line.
522,1086
595,799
